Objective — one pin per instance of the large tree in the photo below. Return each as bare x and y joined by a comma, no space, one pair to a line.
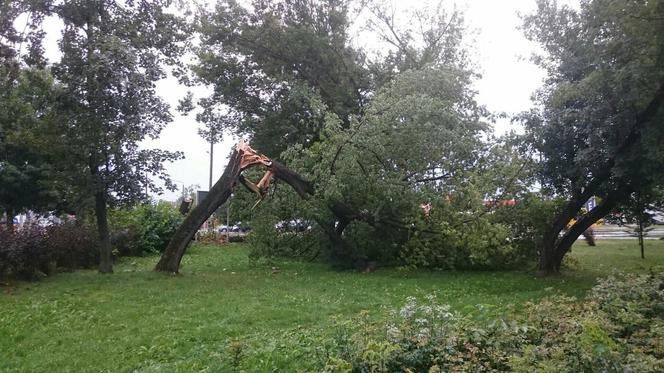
273,64
26,172
360,188
27,101
113,52
598,128
413,134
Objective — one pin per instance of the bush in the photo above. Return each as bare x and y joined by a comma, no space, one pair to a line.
268,242
33,252
144,229
73,246
23,253
617,328
528,220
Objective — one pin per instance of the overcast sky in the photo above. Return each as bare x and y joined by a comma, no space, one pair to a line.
497,46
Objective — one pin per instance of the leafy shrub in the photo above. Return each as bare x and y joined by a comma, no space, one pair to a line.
144,229
23,253
73,246
631,302
617,328
528,220
33,251
268,242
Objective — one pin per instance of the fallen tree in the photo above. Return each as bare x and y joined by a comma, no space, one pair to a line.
242,158
364,184
344,214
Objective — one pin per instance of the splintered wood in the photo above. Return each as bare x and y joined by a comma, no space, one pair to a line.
251,158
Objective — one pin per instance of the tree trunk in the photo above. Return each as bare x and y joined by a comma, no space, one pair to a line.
105,257
218,194
641,243
548,262
10,219
555,247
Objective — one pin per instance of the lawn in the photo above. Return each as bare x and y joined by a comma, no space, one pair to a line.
224,312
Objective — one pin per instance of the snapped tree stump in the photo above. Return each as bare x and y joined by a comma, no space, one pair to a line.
242,158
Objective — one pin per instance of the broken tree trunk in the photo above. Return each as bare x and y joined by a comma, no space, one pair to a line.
244,157
241,158
220,192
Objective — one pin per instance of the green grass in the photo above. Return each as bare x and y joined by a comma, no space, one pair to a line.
269,319
612,255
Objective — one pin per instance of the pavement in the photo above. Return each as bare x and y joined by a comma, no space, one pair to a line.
625,232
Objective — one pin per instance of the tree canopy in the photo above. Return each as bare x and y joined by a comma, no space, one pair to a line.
113,52
27,102
274,63
391,157
598,125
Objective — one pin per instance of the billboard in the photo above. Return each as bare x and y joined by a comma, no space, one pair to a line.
200,195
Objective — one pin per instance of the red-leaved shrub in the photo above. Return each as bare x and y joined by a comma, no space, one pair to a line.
32,252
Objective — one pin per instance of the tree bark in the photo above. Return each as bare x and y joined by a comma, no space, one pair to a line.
221,191
218,194
555,249
10,219
105,257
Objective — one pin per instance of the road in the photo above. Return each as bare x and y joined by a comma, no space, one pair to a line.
625,232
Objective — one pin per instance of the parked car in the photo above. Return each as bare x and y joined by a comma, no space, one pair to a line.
294,225
244,227
235,228
657,217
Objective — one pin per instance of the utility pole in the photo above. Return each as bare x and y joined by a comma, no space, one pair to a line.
211,160
228,220
147,182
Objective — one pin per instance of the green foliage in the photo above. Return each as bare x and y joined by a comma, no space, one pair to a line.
616,328
528,220
278,66
478,243
144,229
112,53
25,165
631,302
419,131
597,128
605,66
278,236
418,143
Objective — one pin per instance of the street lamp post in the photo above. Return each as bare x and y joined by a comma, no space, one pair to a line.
211,161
